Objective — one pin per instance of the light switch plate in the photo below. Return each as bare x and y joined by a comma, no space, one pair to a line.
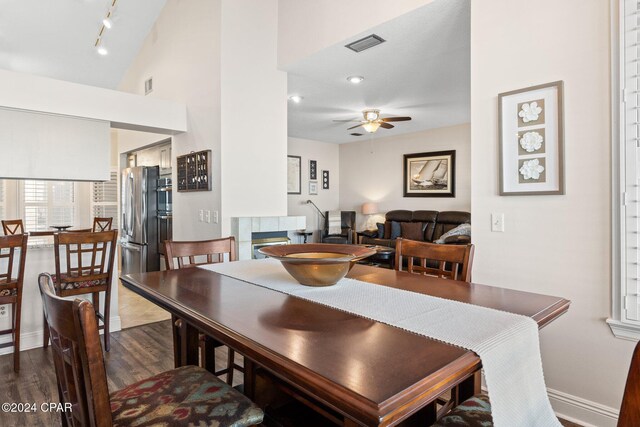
215,217
207,216
201,215
497,222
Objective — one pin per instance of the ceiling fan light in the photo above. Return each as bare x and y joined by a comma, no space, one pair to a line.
108,23
371,127
371,115
355,79
296,98
102,50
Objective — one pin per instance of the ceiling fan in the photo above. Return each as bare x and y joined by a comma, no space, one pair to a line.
372,121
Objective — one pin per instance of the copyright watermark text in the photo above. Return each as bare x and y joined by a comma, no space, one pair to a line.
22,407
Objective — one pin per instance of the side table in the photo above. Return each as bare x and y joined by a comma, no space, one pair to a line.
304,235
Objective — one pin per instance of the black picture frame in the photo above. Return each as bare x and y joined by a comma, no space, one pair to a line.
325,180
431,174
313,169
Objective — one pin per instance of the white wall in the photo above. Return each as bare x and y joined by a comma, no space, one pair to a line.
307,26
35,93
253,112
182,54
558,245
327,156
372,171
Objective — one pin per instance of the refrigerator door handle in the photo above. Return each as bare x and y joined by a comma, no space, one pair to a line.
135,248
131,202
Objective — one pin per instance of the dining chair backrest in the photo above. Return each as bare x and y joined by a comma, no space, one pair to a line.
102,224
630,409
12,226
189,254
445,261
13,252
88,257
77,357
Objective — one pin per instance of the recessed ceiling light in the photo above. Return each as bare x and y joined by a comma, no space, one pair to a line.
102,50
107,22
296,98
355,79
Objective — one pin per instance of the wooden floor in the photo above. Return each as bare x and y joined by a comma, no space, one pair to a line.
135,354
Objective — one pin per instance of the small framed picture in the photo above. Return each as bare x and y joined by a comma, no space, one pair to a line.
313,187
313,169
294,183
532,140
325,180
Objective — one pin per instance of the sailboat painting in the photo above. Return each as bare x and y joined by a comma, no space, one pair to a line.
429,174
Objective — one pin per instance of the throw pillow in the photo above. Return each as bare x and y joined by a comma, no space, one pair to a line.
461,230
380,230
396,230
387,230
412,231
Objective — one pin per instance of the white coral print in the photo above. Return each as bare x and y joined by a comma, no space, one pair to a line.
531,169
530,112
531,141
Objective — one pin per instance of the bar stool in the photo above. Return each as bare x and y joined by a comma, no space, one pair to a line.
13,251
88,269
185,255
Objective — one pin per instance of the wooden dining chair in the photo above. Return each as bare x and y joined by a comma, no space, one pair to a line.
12,226
185,396
102,224
87,269
13,251
190,254
444,261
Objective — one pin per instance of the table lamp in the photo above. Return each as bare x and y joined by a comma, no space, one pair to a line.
369,208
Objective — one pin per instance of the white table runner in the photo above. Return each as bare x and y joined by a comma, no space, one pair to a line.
507,343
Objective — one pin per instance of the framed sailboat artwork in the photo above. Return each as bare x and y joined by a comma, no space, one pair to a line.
430,174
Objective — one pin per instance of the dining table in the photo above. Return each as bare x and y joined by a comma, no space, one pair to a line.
364,372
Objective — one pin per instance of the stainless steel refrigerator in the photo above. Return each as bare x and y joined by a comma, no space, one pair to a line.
139,229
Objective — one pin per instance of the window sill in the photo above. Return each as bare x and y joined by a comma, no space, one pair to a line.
625,331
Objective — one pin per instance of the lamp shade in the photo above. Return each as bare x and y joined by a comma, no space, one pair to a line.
369,208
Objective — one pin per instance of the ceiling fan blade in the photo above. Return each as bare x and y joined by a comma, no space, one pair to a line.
386,125
356,126
396,119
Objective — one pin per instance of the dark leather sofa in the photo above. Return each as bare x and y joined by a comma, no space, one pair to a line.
433,225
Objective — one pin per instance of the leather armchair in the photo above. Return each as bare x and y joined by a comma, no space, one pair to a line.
348,223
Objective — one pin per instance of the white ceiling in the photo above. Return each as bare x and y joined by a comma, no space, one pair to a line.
55,38
422,71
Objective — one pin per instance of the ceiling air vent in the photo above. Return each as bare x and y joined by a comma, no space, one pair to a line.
148,86
365,43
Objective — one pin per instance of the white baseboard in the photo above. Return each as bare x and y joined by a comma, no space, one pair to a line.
29,340
582,411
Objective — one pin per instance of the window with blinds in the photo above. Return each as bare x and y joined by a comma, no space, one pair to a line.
47,203
626,301
104,198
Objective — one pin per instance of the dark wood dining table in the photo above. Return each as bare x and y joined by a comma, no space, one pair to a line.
368,372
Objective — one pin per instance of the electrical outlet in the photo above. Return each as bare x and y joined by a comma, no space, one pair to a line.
4,311
215,217
207,216
497,222
201,215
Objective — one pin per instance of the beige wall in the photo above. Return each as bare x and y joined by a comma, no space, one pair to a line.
182,54
558,245
307,26
327,156
372,170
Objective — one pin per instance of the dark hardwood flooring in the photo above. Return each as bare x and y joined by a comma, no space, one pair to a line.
136,353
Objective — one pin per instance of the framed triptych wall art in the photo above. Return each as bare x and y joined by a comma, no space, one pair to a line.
532,140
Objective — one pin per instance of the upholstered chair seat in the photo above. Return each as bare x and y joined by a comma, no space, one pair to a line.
473,412
67,284
187,396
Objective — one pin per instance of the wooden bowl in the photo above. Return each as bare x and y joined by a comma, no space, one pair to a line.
317,264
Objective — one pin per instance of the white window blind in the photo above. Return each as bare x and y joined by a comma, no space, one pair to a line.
104,198
47,203
630,161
